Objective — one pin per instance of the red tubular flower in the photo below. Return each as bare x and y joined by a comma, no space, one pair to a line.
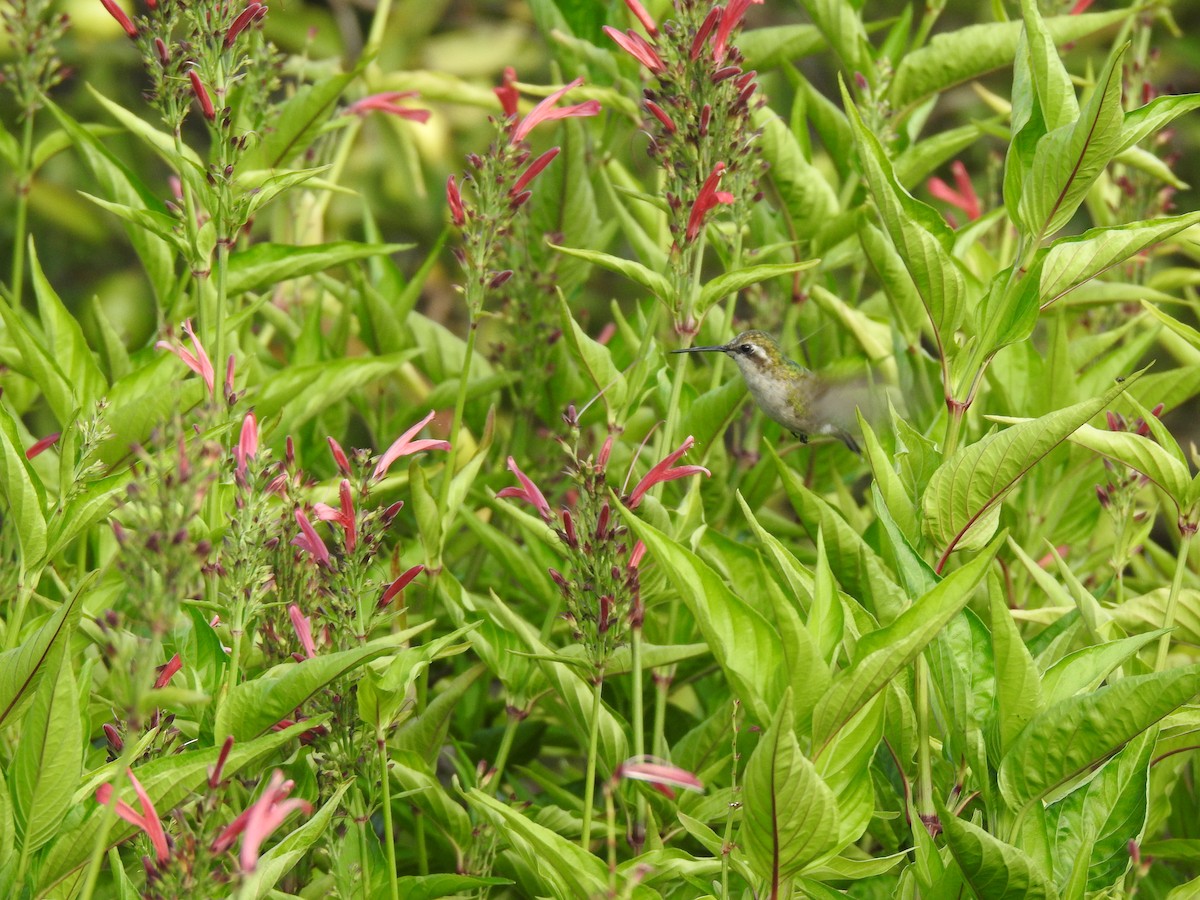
214,775
705,29
309,541
247,447
405,446
547,112
507,93
1079,7
339,456
197,362
261,818
635,557
637,47
122,19
535,168
528,491
458,213
730,19
43,445
147,819
643,16
659,775
964,197
252,13
708,197
387,103
662,471
174,664
303,626
201,92
399,585
345,516
661,114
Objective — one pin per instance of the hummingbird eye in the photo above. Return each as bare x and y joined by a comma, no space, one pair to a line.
746,349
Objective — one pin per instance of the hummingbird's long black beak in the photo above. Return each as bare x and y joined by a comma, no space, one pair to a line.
722,349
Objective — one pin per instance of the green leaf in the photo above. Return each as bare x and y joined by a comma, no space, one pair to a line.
954,57
299,121
1070,158
919,233
652,281
744,643
1154,117
767,48
729,282
1067,739
790,817
254,706
1096,823
1055,93
432,887
857,566
260,266
881,654
807,196
49,756
23,668
994,869
1018,685
841,25
25,497
40,365
1073,260
963,497
1083,670
566,868
593,358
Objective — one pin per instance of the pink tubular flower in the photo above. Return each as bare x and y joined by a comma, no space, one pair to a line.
198,362
387,103
507,93
406,446
535,168
147,819
636,555
202,97
174,664
662,471
339,456
1079,7
643,16
122,19
458,213
730,19
964,197
527,491
303,626
661,776
637,47
247,446
252,13
309,541
345,516
261,818
390,592
708,198
40,447
546,111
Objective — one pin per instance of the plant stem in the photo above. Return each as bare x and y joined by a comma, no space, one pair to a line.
460,405
20,216
1164,642
610,814
589,788
924,762
506,741
219,324
389,837
639,726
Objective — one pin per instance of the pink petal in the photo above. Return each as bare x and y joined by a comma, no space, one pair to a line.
405,445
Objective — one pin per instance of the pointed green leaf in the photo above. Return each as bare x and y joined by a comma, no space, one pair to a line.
1141,453
1018,685
962,499
790,817
881,654
260,266
1067,739
1154,117
593,358
25,497
994,869
65,339
649,279
730,282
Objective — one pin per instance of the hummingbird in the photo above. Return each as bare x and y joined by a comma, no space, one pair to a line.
796,398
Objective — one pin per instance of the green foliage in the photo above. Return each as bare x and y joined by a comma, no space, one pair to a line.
627,638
